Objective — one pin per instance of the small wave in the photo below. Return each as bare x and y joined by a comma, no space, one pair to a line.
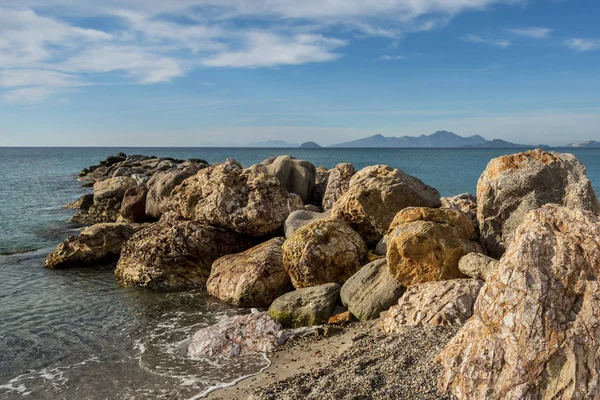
16,251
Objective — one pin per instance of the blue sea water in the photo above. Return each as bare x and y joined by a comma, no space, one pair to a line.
73,334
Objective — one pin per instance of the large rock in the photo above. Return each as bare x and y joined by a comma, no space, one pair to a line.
160,187
253,278
375,196
133,206
98,244
446,303
112,190
535,332
337,184
321,252
295,176
515,184
234,336
248,201
174,254
466,202
306,307
477,265
298,219
321,179
82,203
425,244
370,291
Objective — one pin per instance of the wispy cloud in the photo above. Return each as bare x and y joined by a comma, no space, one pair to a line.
531,32
502,43
388,57
579,44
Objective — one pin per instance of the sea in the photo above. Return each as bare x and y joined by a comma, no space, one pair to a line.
75,334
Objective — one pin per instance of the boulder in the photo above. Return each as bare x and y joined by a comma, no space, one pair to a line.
160,187
82,203
321,252
321,179
425,244
370,291
477,265
112,190
253,278
295,176
248,201
446,303
174,254
96,245
235,336
515,184
535,332
466,202
307,306
337,184
298,219
375,196
133,206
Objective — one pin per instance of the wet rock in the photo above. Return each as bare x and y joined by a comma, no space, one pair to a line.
248,201
307,306
535,331
234,336
515,184
375,196
370,291
425,244
321,252
160,187
295,176
299,218
253,278
96,245
478,266
337,184
133,206
174,254
445,303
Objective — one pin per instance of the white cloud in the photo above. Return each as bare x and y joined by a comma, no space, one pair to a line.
579,44
492,42
151,41
532,32
388,57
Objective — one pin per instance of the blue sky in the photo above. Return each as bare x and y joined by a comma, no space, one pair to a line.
223,72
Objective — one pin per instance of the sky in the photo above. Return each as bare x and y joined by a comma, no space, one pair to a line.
233,72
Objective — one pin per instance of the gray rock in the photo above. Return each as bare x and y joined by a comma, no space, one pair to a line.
370,291
478,266
466,203
160,187
381,248
295,176
321,180
307,306
82,203
513,185
299,218
337,184
112,189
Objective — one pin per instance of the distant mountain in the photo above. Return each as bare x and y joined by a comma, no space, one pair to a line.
589,144
437,139
501,144
310,145
273,143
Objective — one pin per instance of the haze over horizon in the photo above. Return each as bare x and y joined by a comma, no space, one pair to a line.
233,72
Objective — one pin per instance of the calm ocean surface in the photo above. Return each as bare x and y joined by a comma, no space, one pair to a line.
75,334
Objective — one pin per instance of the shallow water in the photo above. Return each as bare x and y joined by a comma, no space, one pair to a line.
71,334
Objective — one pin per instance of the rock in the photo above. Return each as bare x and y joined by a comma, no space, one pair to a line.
478,266
321,252
248,201
375,196
234,336
82,203
381,247
122,171
160,187
133,206
337,184
535,331
253,278
321,179
313,208
174,254
515,184
299,218
370,291
295,176
96,245
112,190
341,319
466,202
310,145
425,244
307,306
